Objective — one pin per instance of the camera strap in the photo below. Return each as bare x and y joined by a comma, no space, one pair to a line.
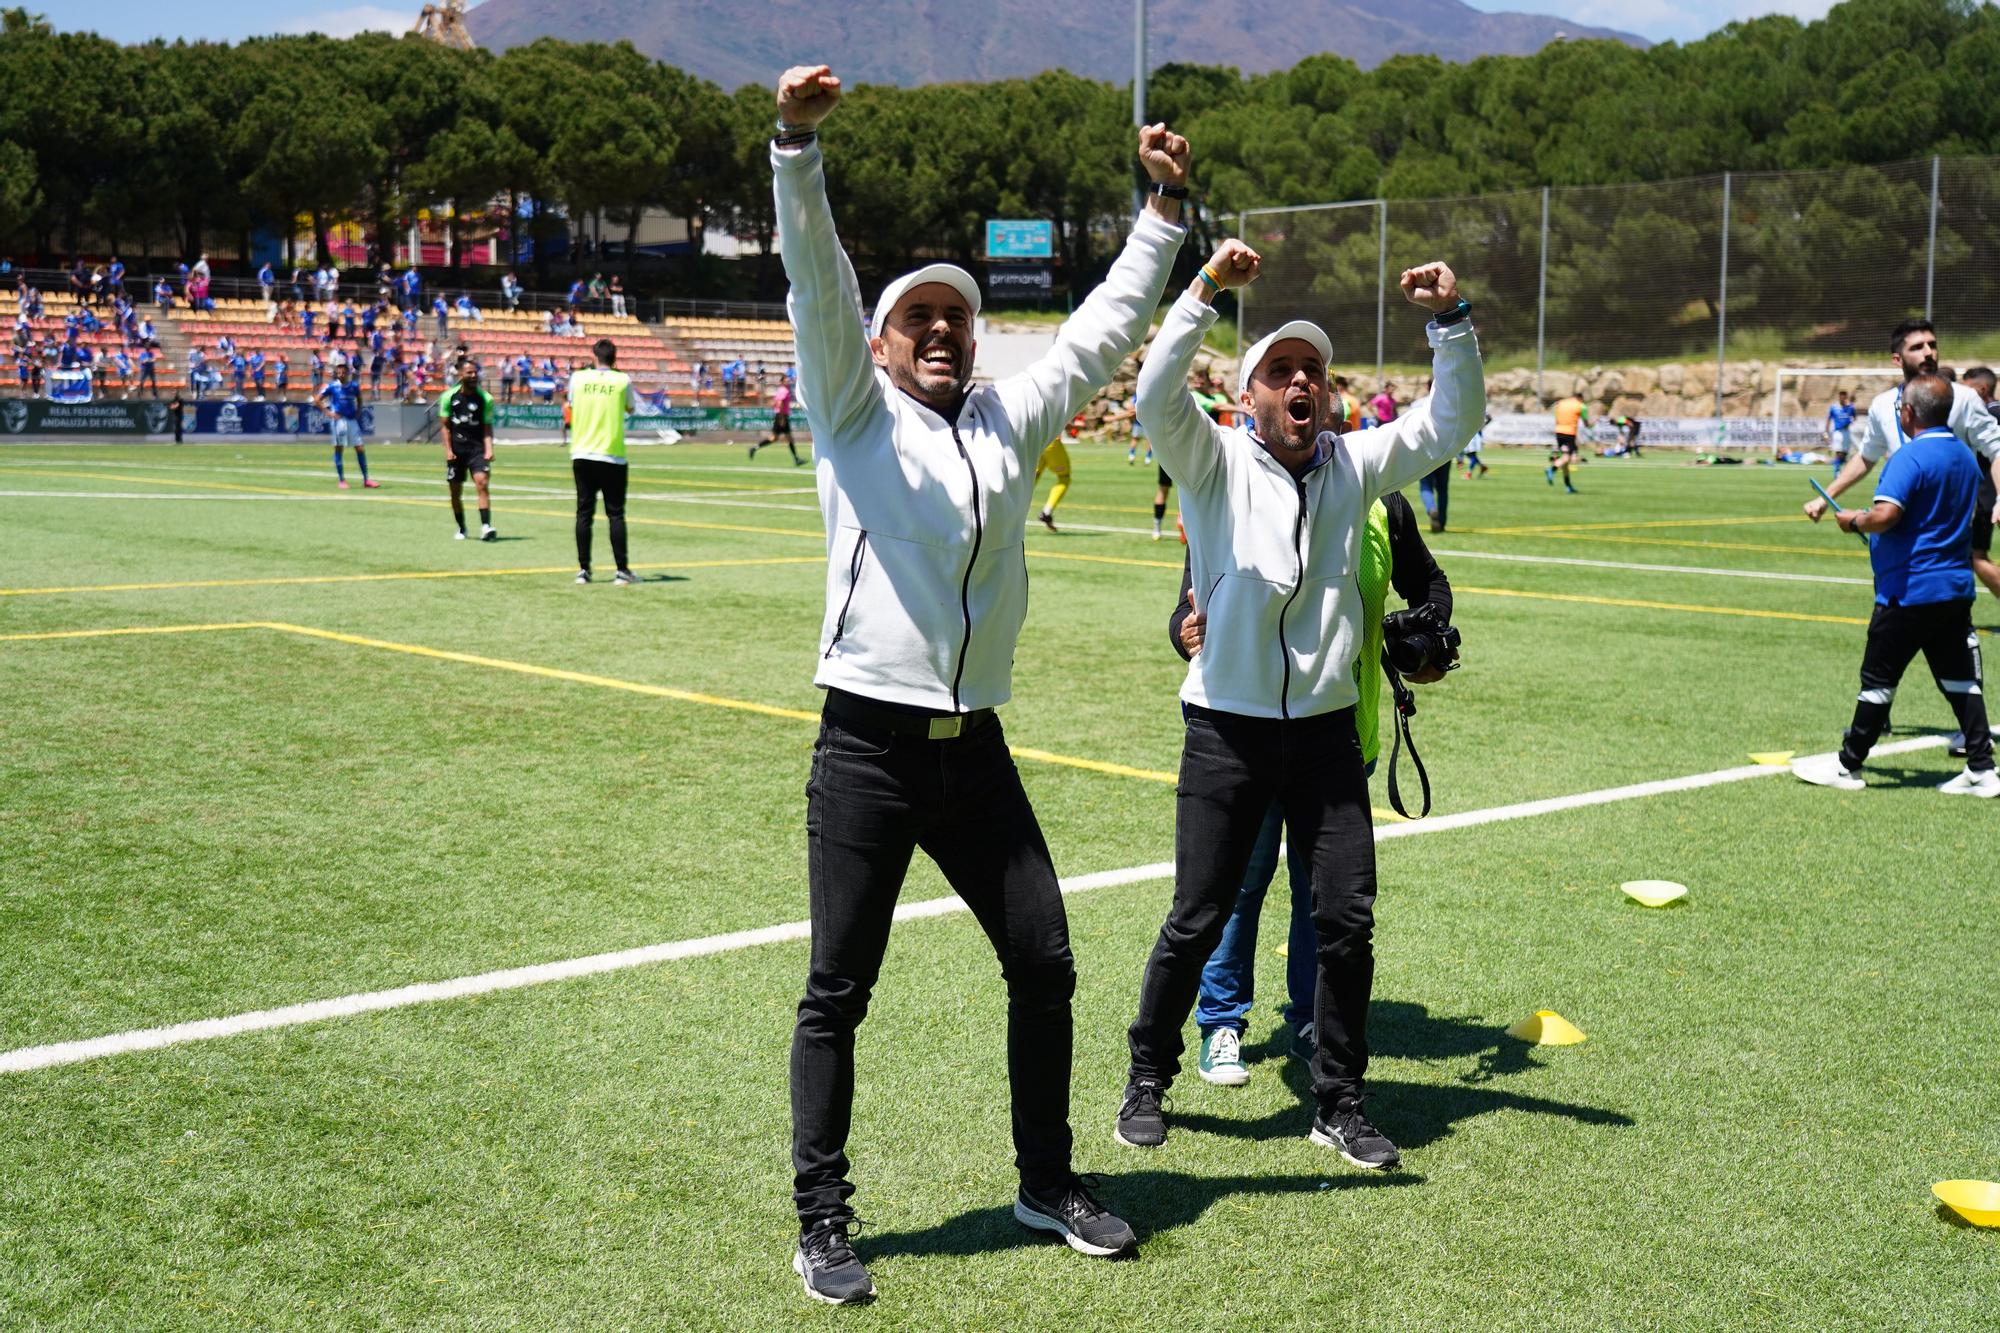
1406,708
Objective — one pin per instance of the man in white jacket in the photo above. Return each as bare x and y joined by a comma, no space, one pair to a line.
926,485
1275,512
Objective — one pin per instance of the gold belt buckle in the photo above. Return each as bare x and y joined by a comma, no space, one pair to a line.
946,728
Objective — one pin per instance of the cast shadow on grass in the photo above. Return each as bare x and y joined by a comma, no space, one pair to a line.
1413,1115
1152,1201
1404,1031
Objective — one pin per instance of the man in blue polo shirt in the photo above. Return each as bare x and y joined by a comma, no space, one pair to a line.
1922,555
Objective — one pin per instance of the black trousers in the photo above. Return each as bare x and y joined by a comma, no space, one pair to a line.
871,801
595,477
1943,633
1232,768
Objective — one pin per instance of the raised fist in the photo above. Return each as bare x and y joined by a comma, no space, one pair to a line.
1235,264
1163,154
1433,286
806,94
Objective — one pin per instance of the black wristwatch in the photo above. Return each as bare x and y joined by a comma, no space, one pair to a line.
1457,314
1166,191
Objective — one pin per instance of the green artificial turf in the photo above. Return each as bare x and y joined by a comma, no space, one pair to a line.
203,823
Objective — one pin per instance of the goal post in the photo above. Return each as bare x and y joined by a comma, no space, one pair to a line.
1815,372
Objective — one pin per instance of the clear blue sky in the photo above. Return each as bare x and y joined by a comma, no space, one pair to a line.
227,20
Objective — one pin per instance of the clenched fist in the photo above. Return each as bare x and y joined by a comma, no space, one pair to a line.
1235,264
1164,155
807,94
1433,286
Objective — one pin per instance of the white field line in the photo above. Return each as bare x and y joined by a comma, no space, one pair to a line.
514,978
156,495
1703,570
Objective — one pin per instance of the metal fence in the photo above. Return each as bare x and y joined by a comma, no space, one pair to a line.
1810,266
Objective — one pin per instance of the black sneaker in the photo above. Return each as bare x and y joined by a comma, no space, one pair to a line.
1303,1047
1142,1117
1075,1214
825,1262
1348,1133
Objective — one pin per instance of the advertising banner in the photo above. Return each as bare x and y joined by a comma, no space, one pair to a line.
18,417
1019,239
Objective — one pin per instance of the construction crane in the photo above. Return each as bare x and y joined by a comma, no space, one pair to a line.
444,23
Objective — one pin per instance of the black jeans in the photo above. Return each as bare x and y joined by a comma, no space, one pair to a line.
1943,633
871,801
594,477
1232,768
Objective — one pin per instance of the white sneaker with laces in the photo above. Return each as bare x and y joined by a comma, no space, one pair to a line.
1825,770
458,536
1982,782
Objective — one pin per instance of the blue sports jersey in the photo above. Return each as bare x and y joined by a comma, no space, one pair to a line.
1841,415
343,400
1927,556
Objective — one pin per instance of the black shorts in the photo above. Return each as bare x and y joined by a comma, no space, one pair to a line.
781,425
1165,480
462,465
1565,444
1982,518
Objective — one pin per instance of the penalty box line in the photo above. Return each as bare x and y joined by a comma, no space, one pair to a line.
28,1058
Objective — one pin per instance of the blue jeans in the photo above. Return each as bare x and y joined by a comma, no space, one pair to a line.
1435,491
1228,981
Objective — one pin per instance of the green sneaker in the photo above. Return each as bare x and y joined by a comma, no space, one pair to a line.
1222,1057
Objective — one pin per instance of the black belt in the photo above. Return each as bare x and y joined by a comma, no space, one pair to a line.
904,723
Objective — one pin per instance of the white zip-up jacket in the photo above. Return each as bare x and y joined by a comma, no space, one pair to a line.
1274,559
927,576
1969,420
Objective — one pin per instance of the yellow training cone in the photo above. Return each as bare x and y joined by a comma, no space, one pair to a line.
1546,1027
1977,1201
1285,949
1654,892
1774,758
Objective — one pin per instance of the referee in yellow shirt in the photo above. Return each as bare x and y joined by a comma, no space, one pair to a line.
599,398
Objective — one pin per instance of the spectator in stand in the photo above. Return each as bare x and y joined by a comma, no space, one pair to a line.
79,283
401,366
288,317
617,296
267,282
306,317
349,318
575,295
510,291
378,348
114,278
385,283
200,270
443,313
197,372
238,368
410,320
149,369
281,368
316,367
413,284
467,310
371,315
524,370
6,265
257,372
163,295
121,361
333,280
225,345
147,334
598,292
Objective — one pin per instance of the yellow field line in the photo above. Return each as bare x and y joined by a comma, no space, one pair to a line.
1830,552
575,677
1662,606
1102,559
129,629
1648,523
400,576
153,481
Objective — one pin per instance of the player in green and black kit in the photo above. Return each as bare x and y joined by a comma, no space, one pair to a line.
467,413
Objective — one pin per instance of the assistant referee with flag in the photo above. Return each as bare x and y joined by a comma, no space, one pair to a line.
926,484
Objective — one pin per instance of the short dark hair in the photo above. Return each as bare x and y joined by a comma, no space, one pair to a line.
1901,333
1929,399
605,350
1980,375
1947,374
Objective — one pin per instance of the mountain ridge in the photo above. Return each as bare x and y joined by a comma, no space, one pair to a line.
916,42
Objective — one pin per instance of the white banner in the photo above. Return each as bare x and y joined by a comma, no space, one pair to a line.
69,386
1667,432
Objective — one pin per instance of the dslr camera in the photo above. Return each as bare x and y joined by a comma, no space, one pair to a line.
1419,638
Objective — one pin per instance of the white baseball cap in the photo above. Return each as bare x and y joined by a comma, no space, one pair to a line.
950,274
1302,329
